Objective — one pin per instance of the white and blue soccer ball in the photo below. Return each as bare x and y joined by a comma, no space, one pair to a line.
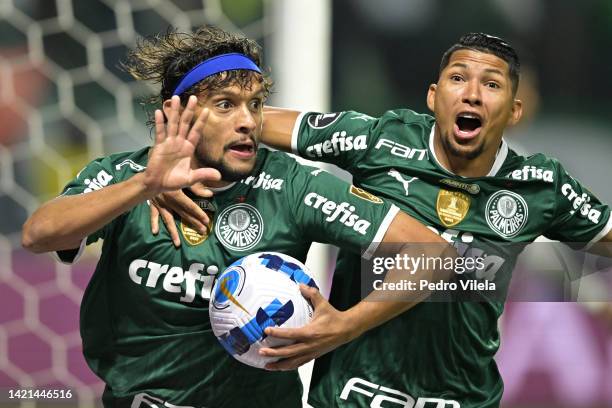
255,292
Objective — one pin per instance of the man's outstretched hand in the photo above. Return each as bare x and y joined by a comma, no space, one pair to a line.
170,163
328,329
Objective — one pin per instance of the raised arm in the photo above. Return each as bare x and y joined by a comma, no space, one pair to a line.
64,222
277,127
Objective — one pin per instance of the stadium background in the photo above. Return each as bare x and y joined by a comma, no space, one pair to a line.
63,102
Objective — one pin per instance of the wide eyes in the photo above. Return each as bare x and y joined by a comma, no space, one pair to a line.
489,84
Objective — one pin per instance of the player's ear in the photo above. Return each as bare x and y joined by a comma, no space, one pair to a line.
431,97
517,112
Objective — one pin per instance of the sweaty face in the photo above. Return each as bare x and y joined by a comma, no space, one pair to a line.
473,103
231,134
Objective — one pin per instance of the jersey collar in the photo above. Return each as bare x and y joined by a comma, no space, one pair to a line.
500,156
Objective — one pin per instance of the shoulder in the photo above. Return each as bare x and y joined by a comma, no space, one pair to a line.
533,167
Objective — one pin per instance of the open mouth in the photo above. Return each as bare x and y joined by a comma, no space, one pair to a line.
467,125
245,148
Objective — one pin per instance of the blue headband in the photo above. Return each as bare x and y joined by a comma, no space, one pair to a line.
214,65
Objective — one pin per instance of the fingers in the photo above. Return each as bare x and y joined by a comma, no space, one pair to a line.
168,220
289,364
154,218
187,116
201,191
313,295
291,334
173,117
285,351
160,127
205,174
197,128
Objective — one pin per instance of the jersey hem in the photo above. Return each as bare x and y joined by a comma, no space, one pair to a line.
600,234
296,132
382,229
76,257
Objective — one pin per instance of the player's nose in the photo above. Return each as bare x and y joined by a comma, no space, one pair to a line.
245,121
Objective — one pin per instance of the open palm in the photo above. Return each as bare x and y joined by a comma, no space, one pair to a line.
169,167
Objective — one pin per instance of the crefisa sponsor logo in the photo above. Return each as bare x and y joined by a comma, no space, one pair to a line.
506,213
339,142
581,204
532,173
239,227
263,181
343,212
101,180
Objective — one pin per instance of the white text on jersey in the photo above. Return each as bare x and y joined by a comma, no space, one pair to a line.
581,203
400,150
263,181
174,276
339,142
343,210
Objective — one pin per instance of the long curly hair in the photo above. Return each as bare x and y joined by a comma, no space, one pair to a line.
165,58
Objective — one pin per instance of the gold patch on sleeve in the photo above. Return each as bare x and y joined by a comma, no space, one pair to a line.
364,195
192,236
452,207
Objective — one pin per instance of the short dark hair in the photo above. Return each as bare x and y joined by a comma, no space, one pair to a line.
165,58
492,45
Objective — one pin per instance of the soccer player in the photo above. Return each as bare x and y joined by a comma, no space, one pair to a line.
144,316
456,174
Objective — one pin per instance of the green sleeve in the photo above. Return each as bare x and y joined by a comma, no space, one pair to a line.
579,216
329,210
341,138
95,176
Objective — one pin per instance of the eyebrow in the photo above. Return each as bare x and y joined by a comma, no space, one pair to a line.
489,70
226,93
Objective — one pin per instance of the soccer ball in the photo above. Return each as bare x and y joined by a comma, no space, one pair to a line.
255,292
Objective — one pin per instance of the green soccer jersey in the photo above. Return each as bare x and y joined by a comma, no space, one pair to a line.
144,315
437,354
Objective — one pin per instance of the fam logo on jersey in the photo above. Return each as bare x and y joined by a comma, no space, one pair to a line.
364,195
339,142
101,180
532,173
452,207
400,150
506,213
581,204
380,394
239,227
323,120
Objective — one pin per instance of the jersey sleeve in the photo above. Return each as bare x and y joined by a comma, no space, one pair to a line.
329,210
341,138
580,217
95,176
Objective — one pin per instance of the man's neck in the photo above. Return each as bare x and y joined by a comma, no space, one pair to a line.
461,166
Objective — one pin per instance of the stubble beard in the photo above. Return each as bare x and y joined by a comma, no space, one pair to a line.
228,173
450,148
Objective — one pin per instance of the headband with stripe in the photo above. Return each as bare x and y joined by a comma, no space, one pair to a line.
214,65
